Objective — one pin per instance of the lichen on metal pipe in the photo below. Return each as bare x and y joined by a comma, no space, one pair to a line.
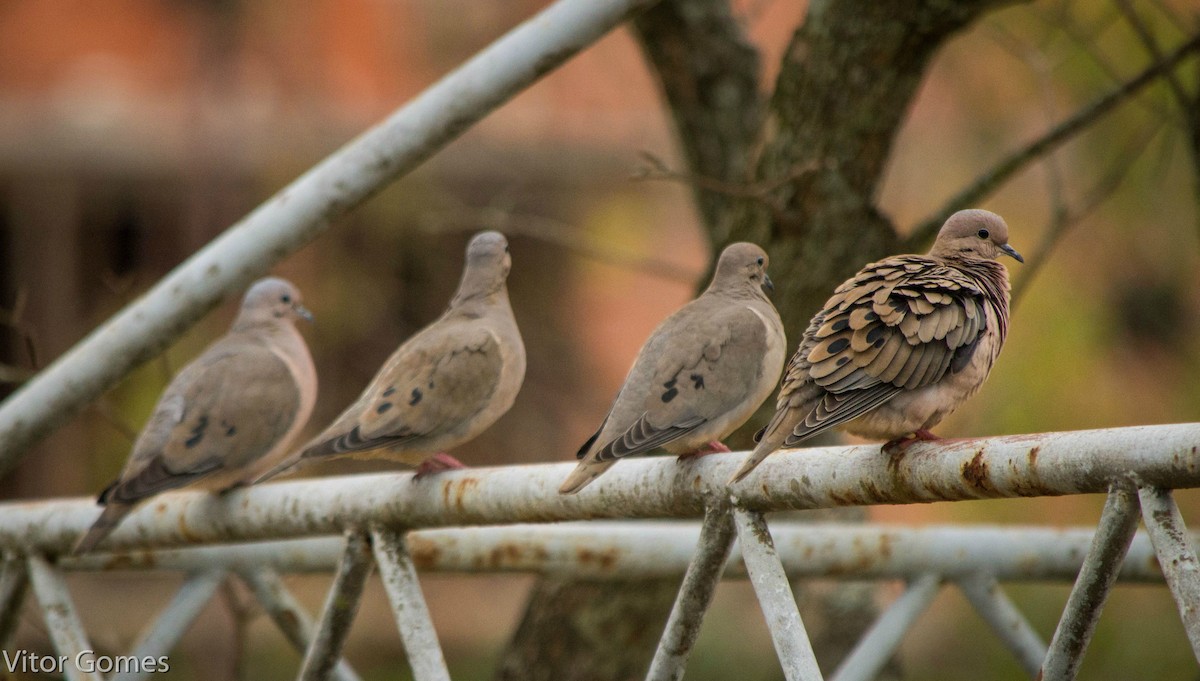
653,487
1118,521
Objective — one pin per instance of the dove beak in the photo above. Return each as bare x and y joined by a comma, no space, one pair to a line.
303,313
1010,251
768,285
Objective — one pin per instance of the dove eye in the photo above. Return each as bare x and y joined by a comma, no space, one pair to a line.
983,234
286,299
759,261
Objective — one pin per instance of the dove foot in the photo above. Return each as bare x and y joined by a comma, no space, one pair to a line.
711,448
901,444
436,464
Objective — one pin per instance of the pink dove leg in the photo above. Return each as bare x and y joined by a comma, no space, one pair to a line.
711,448
901,444
436,464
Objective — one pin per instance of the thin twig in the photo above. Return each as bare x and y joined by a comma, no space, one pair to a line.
1063,219
989,181
657,169
555,232
1085,39
1178,21
1139,27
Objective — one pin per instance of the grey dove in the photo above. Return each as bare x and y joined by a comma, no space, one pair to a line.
699,376
225,415
900,345
442,387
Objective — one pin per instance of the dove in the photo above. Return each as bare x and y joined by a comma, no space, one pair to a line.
442,387
899,346
699,376
226,414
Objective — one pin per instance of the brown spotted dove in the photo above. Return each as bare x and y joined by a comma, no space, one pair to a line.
442,387
227,414
901,345
699,376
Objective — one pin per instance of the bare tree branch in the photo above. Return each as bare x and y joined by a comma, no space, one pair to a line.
762,190
1063,218
709,75
989,181
1151,44
1086,38
564,235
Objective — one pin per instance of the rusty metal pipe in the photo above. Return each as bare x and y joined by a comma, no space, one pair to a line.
656,487
1118,521
1005,620
657,549
288,614
14,582
879,643
161,635
695,594
341,605
1177,554
62,620
399,577
775,598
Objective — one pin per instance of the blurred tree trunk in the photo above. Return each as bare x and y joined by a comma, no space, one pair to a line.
797,172
588,631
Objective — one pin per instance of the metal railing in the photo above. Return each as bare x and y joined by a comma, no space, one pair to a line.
517,522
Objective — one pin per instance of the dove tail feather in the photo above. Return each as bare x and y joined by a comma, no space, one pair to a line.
587,446
584,474
284,466
768,440
106,523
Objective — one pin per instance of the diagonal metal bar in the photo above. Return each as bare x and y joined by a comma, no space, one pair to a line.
1002,615
172,623
340,607
1176,556
775,597
14,582
300,212
1118,522
66,631
287,613
878,645
399,577
695,594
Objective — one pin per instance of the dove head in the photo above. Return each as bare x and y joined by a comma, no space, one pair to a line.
488,263
742,266
272,299
974,234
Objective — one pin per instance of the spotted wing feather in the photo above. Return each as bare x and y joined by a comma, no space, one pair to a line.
433,383
900,324
710,368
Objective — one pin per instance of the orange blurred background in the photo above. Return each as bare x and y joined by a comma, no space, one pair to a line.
132,132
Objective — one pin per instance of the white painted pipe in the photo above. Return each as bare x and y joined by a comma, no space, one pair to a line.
656,487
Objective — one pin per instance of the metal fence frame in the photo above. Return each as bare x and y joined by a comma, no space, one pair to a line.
375,521
1136,467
